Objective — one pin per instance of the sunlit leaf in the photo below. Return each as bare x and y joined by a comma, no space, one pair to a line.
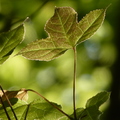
10,40
64,32
37,110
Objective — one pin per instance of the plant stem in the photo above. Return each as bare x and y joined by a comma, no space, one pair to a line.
74,82
9,102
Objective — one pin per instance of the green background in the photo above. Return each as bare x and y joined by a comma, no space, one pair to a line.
98,58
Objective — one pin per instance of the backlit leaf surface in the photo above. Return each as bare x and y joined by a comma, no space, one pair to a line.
64,32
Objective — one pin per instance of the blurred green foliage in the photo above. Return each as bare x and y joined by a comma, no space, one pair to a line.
96,57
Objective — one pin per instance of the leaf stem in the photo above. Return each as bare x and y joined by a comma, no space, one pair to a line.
50,103
9,102
74,82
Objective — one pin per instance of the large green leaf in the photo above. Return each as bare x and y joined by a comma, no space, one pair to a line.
42,110
10,40
36,110
64,32
91,112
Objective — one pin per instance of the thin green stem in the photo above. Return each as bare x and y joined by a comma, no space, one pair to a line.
74,82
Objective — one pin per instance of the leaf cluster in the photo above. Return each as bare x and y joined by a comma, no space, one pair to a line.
41,109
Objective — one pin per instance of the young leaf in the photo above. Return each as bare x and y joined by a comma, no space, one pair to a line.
38,109
8,42
64,32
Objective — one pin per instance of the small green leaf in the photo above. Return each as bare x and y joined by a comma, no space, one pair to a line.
64,32
98,100
38,109
91,112
8,42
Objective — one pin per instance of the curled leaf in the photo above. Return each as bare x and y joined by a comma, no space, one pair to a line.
20,94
